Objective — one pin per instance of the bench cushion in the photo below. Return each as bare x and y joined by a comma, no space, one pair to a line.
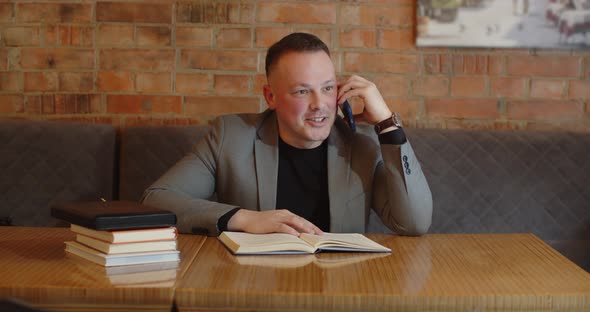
147,152
44,162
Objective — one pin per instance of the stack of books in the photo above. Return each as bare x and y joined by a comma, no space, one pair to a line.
120,233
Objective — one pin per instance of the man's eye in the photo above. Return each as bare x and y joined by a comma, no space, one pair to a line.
301,92
329,88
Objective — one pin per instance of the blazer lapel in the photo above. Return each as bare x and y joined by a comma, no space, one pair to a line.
266,153
338,177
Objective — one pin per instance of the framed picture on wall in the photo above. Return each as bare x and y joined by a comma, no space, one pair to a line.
504,23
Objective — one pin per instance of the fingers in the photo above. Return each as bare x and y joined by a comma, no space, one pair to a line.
274,221
375,109
297,223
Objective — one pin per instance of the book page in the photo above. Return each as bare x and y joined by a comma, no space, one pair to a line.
343,241
241,243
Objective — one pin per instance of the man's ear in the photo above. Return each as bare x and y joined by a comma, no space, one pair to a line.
269,97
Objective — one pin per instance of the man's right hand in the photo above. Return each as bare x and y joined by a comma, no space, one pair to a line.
272,221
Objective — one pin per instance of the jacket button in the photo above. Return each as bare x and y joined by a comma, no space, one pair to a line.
408,171
405,158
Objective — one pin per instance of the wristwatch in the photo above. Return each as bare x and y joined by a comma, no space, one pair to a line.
394,120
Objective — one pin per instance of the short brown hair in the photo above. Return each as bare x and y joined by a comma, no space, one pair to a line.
295,42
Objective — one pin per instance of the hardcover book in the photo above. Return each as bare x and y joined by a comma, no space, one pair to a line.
121,259
279,243
113,215
127,236
118,248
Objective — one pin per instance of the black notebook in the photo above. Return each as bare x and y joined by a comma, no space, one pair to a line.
113,215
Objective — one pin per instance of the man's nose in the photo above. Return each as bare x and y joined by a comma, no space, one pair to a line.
316,101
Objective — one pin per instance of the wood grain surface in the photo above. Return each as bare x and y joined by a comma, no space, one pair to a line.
36,269
438,272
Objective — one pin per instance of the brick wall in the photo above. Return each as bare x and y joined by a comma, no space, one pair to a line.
180,62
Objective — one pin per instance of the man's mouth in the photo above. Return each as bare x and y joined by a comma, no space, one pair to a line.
317,119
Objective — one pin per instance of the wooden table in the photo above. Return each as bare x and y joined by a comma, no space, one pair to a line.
36,269
485,272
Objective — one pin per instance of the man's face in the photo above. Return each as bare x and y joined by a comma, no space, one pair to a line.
302,90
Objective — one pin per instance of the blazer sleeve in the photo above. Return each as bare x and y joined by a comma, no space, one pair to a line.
187,187
401,196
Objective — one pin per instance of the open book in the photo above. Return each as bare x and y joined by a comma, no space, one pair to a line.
280,243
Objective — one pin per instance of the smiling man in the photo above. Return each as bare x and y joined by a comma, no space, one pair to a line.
298,167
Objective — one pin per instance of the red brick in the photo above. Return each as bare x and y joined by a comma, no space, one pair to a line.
134,12
76,82
64,104
544,110
153,82
470,64
381,62
579,90
543,66
192,83
76,36
76,103
547,89
136,59
407,109
20,36
189,36
496,65
6,12
115,81
115,35
40,104
234,38
143,104
208,12
86,119
430,86
3,59
361,15
11,103
398,39
437,63
266,36
10,81
303,13
391,86
357,38
53,13
468,86
462,108
219,59
56,58
507,86
231,84
43,81
159,121
154,36
219,105
49,35
432,63
587,67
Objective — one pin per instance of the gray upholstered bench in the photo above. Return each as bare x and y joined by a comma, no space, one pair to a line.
44,162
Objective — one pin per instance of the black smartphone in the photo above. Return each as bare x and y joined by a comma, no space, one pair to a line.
348,117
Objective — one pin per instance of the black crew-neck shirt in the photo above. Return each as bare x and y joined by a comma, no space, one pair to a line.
303,183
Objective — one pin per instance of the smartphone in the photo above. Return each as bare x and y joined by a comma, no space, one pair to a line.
348,117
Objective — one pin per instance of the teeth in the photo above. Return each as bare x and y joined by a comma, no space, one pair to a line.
319,119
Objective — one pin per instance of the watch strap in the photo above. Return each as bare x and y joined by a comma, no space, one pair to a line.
393,121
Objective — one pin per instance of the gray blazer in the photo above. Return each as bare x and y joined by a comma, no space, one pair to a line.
238,163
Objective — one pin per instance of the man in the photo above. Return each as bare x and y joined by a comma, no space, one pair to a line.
298,167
